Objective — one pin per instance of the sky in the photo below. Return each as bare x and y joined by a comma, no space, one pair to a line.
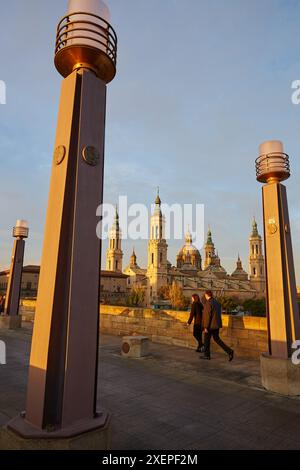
200,85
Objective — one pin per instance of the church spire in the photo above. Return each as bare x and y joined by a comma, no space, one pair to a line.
256,260
157,253
116,222
114,254
239,264
209,237
158,200
133,259
254,228
210,254
188,237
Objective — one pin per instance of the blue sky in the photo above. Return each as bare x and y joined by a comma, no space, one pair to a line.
200,84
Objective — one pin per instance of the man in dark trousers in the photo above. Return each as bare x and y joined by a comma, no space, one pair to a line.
212,322
2,304
196,315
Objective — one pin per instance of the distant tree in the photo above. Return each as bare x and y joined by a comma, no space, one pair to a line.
187,303
109,299
164,292
174,294
257,307
136,297
228,304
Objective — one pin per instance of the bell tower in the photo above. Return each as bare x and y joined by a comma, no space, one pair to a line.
157,253
133,259
209,249
114,255
256,260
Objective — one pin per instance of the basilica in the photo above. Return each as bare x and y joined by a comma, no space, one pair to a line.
192,273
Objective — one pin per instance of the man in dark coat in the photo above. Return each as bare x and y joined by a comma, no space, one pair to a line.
196,315
2,304
212,323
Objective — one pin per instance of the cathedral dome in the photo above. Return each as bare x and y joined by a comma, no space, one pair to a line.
239,272
189,247
189,254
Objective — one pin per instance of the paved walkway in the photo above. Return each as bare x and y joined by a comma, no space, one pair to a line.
171,399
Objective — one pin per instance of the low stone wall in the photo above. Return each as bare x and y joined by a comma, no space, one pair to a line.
27,309
247,335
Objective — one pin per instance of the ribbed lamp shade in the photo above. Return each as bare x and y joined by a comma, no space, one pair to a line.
273,163
21,229
96,7
85,39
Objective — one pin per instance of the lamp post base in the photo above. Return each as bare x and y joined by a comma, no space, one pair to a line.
280,375
10,322
95,434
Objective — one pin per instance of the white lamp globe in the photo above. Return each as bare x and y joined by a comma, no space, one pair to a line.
22,223
21,229
86,40
272,165
97,7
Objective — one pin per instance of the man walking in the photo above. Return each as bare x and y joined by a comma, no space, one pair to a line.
2,304
212,322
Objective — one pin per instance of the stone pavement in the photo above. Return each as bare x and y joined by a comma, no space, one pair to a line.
171,399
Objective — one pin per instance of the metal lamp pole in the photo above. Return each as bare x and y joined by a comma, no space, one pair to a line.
62,383
272,167
12,300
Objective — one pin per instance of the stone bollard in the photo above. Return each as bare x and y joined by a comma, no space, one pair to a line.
135,346
280,375
10,322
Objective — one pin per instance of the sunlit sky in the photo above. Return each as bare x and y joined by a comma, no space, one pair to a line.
200,84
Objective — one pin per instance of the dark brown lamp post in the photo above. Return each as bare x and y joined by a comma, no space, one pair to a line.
62,383
12,300
278,372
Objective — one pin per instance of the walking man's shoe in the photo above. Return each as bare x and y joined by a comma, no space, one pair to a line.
205,357
231,356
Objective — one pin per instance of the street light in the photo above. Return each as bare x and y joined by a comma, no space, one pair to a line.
62,383
278,373
21,229
12,300
85,39
272,165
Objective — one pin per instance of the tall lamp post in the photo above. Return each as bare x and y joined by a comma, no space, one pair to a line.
278,372
62,383
11,309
